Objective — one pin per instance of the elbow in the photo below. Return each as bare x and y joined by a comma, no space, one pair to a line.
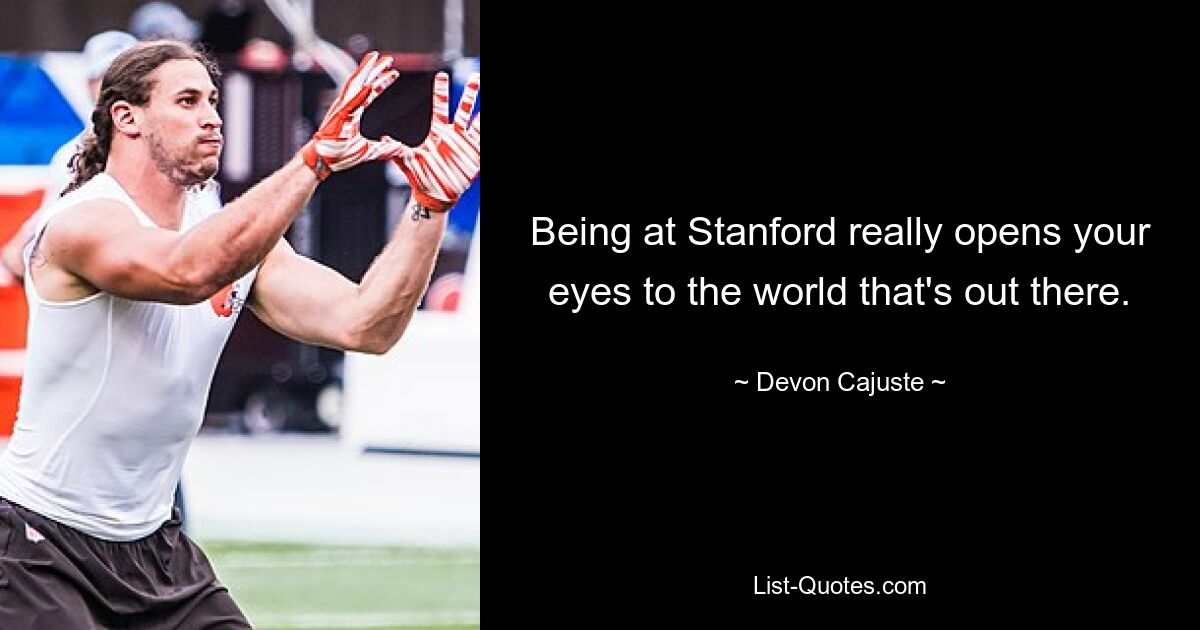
377,330
194,279
193,286
376,339
375,344
371,332
375,349
170,284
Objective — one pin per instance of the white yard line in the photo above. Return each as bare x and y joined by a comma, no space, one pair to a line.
364,620
268,561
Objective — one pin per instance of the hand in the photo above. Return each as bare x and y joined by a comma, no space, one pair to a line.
338,144
445,164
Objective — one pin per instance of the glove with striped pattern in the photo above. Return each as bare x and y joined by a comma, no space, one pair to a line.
448,160
338,144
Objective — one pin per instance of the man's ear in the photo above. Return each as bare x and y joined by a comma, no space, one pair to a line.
125,119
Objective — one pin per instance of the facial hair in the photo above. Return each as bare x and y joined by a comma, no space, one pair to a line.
176,170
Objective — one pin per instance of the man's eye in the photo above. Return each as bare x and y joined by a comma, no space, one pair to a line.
187,100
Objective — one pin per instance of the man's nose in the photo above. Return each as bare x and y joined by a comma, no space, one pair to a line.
212,119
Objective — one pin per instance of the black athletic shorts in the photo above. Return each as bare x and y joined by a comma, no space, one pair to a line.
53,577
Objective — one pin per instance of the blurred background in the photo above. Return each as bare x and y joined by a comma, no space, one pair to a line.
333,490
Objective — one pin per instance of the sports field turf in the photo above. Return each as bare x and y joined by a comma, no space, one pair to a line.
305,586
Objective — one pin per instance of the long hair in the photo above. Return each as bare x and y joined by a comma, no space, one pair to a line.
128,79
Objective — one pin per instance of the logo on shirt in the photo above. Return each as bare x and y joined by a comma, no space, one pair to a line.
227,301
33,535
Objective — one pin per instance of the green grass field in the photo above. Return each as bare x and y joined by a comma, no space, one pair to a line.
305,586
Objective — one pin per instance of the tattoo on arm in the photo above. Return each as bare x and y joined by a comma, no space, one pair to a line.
420,212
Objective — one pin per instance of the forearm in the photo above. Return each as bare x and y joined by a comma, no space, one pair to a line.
229,244
392,288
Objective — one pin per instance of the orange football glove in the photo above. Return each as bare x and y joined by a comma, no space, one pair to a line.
448,160
338,144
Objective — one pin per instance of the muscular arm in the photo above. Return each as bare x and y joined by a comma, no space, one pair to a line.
227,245
102,246
307,301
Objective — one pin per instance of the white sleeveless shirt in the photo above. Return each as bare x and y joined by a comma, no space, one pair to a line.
114,391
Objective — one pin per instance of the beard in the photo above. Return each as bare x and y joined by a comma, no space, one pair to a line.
180,170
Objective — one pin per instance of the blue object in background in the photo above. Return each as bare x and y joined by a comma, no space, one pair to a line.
35,119
466,211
